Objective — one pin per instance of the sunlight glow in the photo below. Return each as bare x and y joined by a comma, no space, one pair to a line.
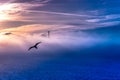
7,11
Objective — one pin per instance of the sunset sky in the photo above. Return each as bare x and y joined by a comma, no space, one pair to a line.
16,13
28,19
80,39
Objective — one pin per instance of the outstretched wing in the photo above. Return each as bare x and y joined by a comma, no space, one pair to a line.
30,48
35,46
37,43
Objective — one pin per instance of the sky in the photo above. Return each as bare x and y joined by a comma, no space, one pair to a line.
84,39
27,20
15,13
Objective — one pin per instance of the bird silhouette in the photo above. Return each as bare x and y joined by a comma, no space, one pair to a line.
35,46
7,33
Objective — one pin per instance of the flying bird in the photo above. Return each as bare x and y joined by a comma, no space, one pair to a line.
35,46
7,33
44,35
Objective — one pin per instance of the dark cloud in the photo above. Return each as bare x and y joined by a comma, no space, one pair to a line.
72,5
31,1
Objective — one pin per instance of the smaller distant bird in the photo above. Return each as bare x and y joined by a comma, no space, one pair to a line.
44,35
7,33
35,46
